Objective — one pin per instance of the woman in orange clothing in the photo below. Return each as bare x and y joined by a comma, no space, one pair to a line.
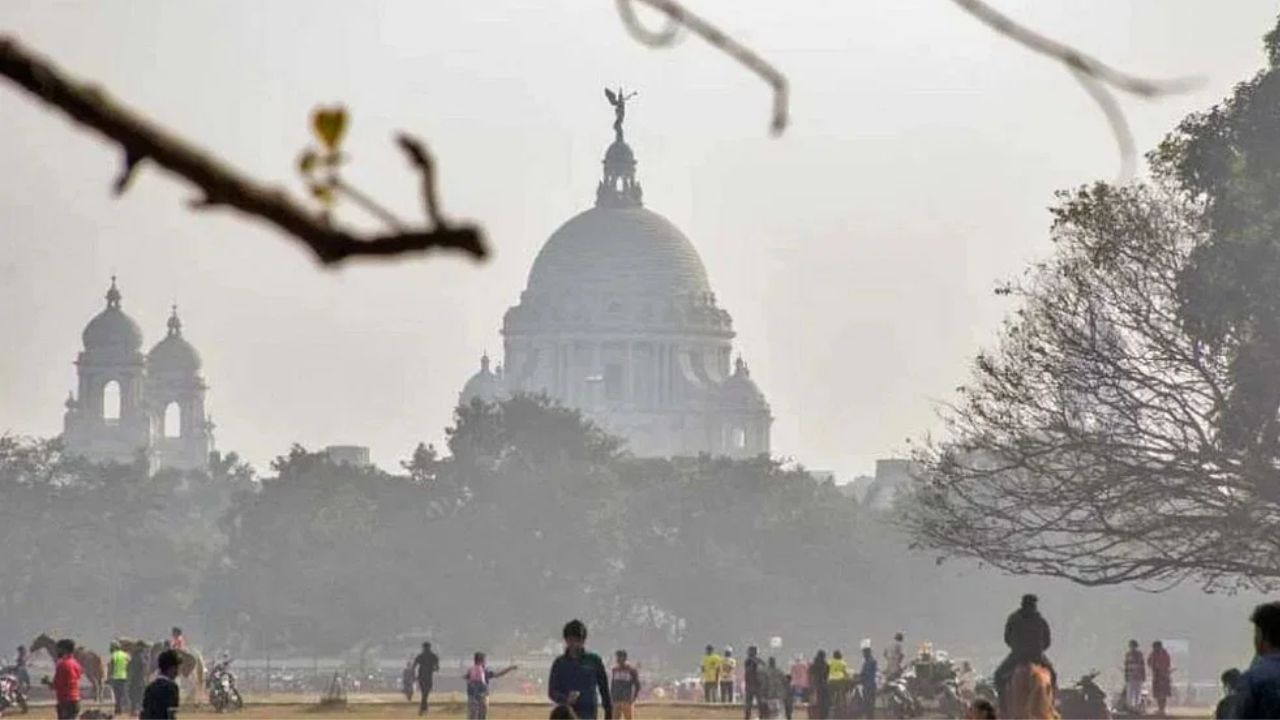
1161,675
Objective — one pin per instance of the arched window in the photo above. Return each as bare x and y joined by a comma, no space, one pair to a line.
739,438
172,420
111,401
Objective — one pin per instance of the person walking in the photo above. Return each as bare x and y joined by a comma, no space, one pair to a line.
753,685
1135,676
837,669
624,686
895,658
408,679
819,694
710,675
728,676
66,680
137,672
162,697
478,678
776,688
425,666
867,679
578,675
1161,675
799,683
20,668
1258,691
118,676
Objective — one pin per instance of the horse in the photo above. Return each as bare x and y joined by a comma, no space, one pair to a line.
91,663
1030,693
190,663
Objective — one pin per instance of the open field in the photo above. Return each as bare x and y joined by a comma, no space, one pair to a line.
451,706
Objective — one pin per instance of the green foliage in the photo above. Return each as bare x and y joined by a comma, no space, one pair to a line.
1126,428
89,548
1229,157
536,515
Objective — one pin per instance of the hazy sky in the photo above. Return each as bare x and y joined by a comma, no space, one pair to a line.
857,253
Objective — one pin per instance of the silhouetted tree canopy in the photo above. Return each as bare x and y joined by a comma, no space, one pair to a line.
1124,428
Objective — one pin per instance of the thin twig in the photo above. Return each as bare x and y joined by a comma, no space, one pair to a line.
665,37
371,206
1092,73
1115,117
422,160
682,17
219,184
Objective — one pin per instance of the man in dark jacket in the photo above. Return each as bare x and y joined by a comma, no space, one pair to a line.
820,699
161,699
1027,634
577,676
139,661
425,666
1258,690
753,684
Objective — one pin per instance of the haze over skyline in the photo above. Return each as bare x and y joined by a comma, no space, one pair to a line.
857,253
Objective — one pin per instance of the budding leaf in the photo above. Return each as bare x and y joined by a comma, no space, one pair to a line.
329,124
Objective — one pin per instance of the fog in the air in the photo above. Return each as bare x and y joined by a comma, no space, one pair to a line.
857,253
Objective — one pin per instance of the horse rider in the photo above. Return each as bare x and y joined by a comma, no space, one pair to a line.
1026,632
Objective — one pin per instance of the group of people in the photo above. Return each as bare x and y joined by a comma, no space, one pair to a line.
422,668
768,689
579,684
127,675
159,700
1135,676
1254,693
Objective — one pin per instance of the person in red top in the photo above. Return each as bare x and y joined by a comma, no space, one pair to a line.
178,640
66,680
1161,675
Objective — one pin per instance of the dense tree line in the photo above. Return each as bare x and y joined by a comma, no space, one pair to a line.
529,516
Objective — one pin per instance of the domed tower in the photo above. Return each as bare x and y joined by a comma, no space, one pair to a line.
745,414
107,420
183,435
485,385
618,319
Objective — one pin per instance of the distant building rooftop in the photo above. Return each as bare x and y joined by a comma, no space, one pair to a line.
356,455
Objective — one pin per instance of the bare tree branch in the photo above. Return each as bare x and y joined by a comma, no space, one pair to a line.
1115,118
1092,73
219,184
422,160
680,16
1086,445
643,35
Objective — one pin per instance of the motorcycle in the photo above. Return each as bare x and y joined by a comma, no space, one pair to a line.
898,700
223,694
1084,700
11,691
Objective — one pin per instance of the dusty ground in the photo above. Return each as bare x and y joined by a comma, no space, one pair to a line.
451,706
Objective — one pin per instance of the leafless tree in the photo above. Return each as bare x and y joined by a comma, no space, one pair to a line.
1085,446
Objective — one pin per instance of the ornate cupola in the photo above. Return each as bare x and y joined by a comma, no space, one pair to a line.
619,187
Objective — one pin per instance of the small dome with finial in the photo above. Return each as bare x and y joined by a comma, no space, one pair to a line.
741,390
174,354
112,329
485,385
